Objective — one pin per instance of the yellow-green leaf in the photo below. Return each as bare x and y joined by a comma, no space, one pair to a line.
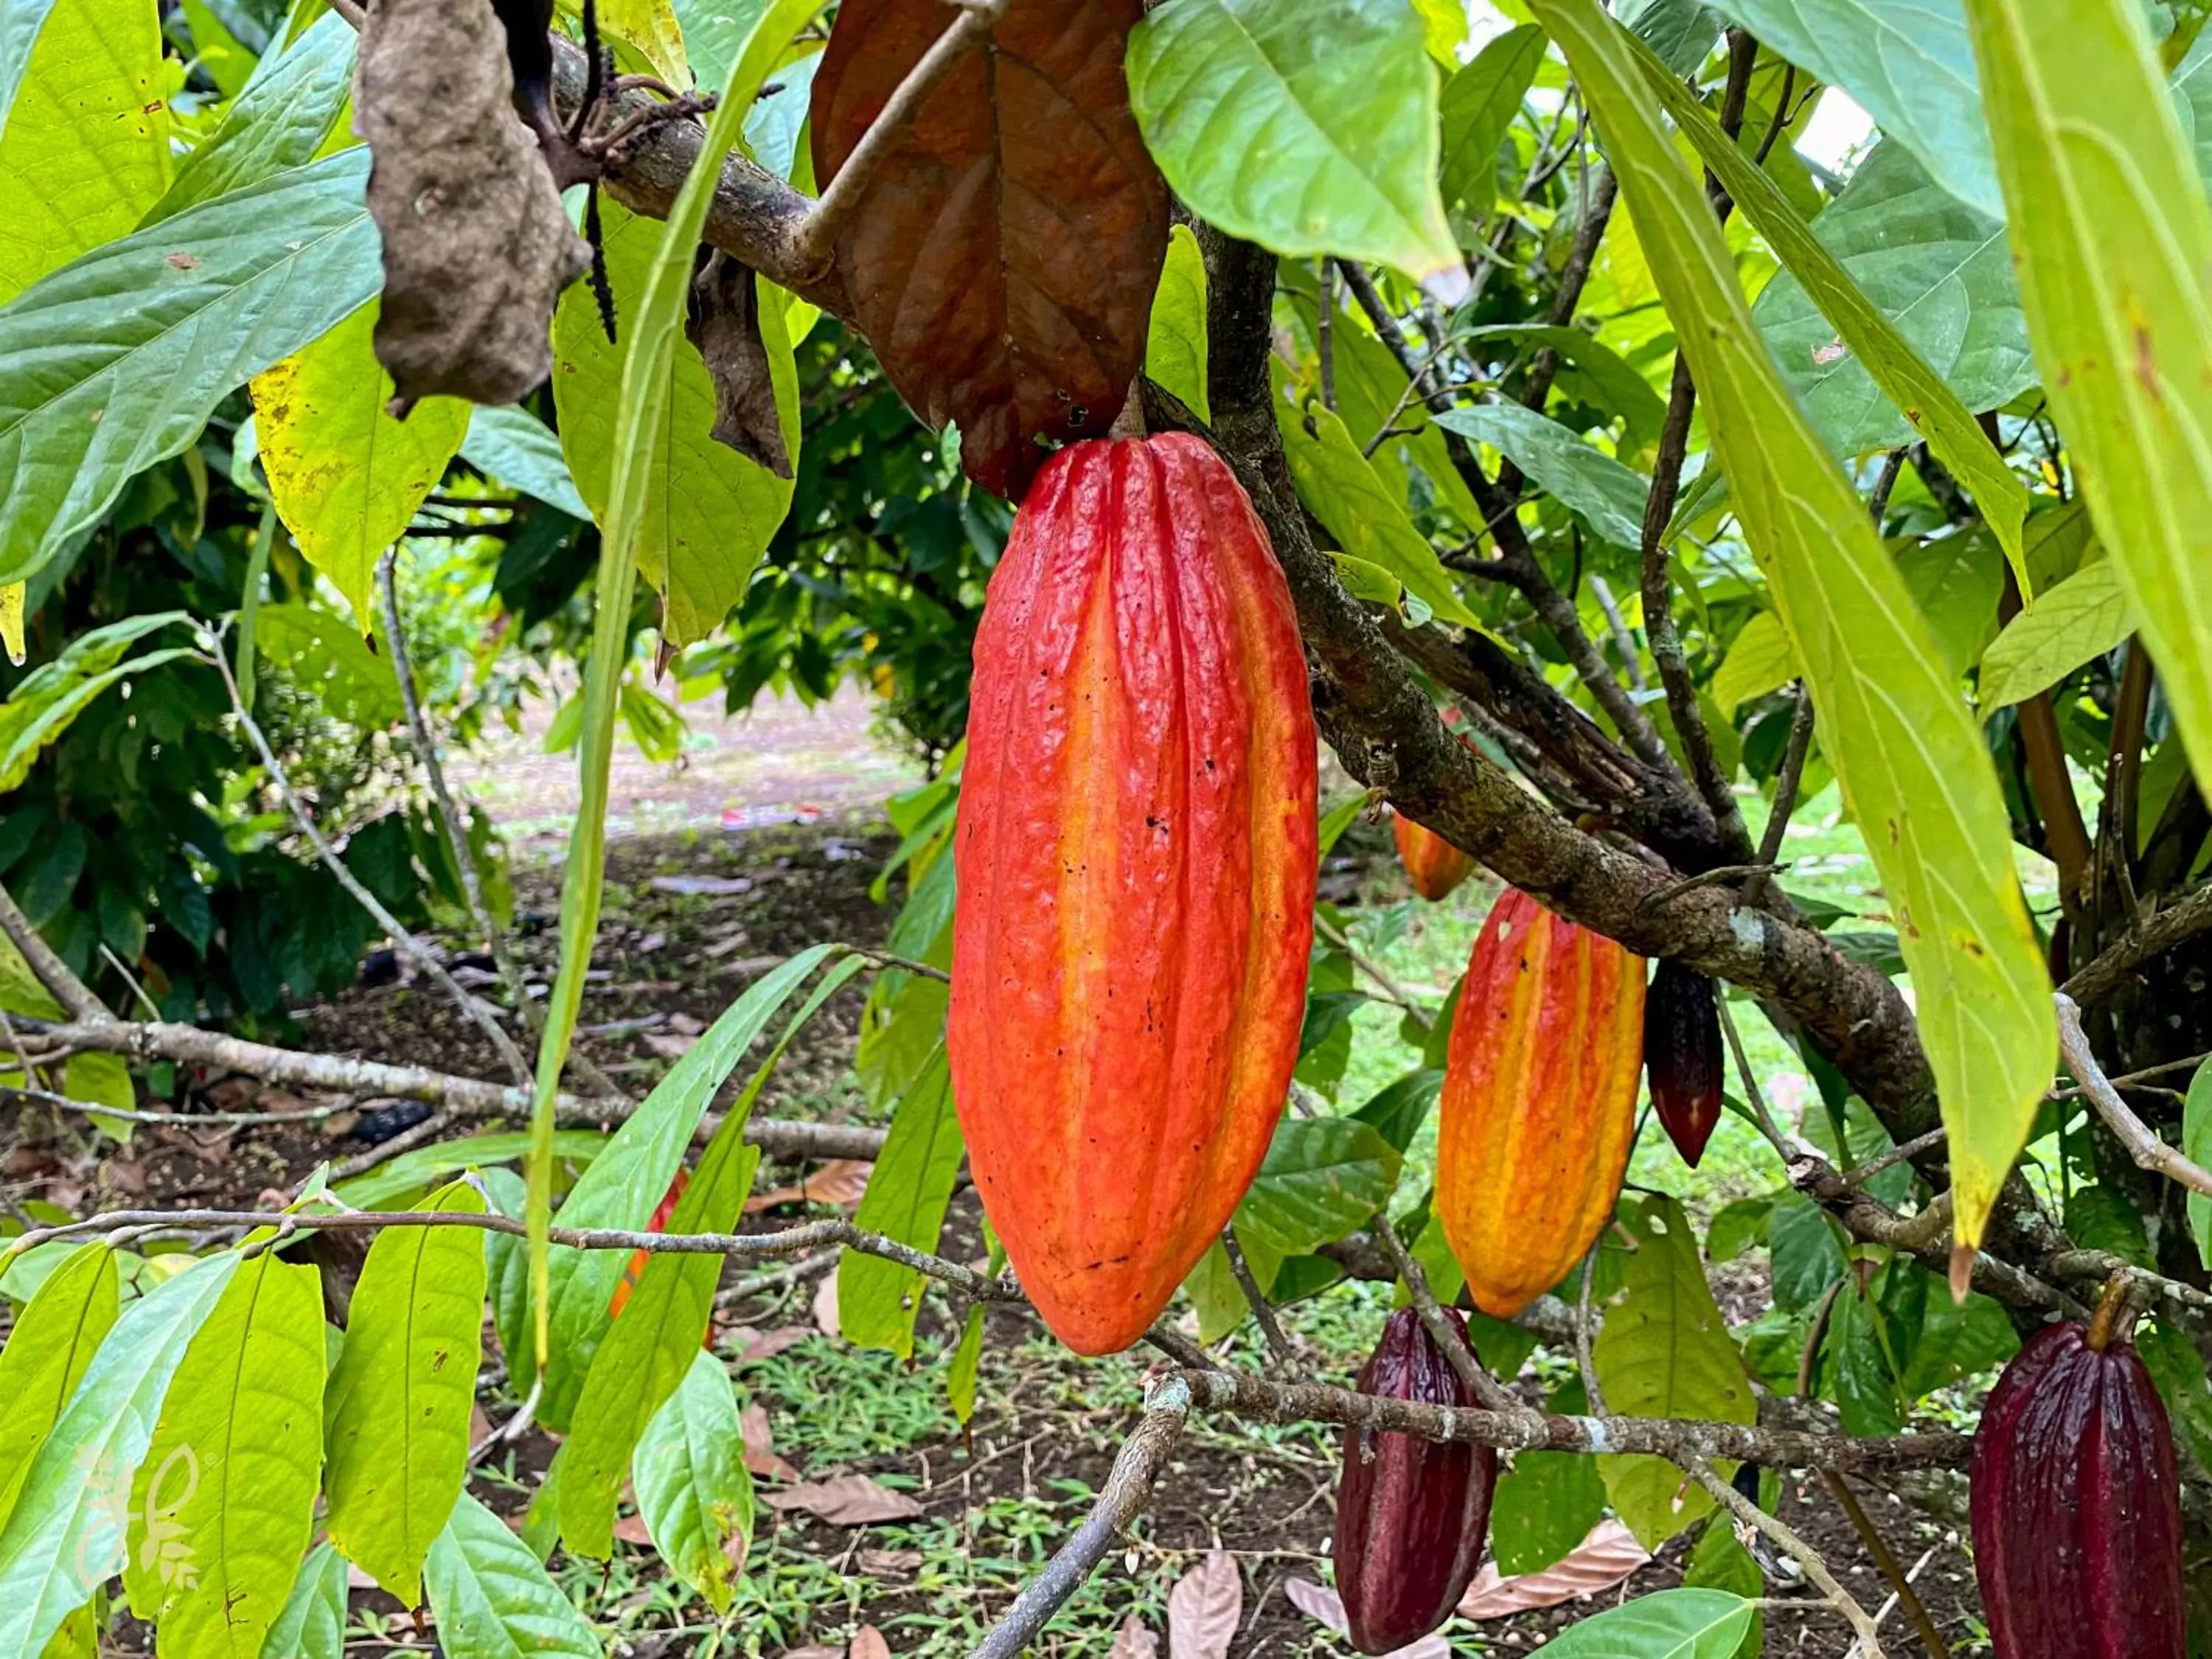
1174,352
400,1397
2113,238
693,1491
2083,617
11,621
84,134
651,26
46,1356
1909,758
877,1300
1757,663
1905,377
346,477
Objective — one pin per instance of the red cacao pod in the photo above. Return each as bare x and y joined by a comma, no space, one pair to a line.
1411,1514
1539,1103
1136,855
1682,1058
1435,866
2076,1506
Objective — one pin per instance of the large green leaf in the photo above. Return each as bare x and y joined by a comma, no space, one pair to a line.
1664,1351
877,1300
518,450
644,1356
1309,130
692,1490
1594,372
322,653
1913,768
312,1624
408,1174
1544,1506
1855,1371
1577,474
281,120
65,1536
708,512
1322,1178
1677,1624
2196,1145
84,149
225,1501
2082,617
1932,408
2112,235
47,1353
116,361
1908,63
493,1600
1480,103
1936,269
1175,347
1758,662
400,1397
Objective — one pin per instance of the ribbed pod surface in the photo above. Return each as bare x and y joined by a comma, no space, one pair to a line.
1433,865
1411,1515
1136,859
1538,1101
2076,1506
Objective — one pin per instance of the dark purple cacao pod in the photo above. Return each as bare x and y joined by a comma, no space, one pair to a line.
1682,1057
1412,1514
2077,1506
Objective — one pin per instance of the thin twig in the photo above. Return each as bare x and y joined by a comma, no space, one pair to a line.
1760,1115
1622,641
2147,1150
1719,873
1392,990
1584,1362
419,1134
1816,1568
1866,1171
1462,1358
1270,1327
34,1081
1884,1559
1787,782
2145,942
194,1119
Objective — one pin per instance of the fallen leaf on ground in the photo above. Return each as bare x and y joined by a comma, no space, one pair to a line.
1204,1608
1134,1641
1325,1606
669,1048
868,1643
825,1306
874,1561
840,1180
746,1343
1609,1554
631,1529
847,1500
760,1444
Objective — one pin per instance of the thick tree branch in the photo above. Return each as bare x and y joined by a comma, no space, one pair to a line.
2145,943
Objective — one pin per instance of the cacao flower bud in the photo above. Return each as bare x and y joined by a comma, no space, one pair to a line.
1682,1058
1538,1103
1412,1514
2076,1506
1136,855
1435,866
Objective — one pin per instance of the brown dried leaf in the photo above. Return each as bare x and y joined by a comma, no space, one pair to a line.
1325,1606
723,320
1609,1554
749,1344
1204,1608
760,1444
1002,260
881,1561
868,1643
840,1180
845,1500
826,1316
476,246
1134,1641
631,1529
814,1653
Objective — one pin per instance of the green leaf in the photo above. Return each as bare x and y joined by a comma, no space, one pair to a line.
1939,271
346,477
706,512
877,1301
281,120
1912,762
1480,103
966,1361
224,1503
1806,1257
312,1624
400,1398
105,1081
1682,31
329,658
1308,131
1321,1178
1906,62
2112,235
408,1174
1737,1226
1175,350
693,1491
1343,490
2196,1145
29,723
2080,619
2192,88
626,1181
47,1353
1443,27
115,361
491,1598
1544,1506
1855,1371
1757,663
84,149
1678,1624
1579,475
1720,1562
1954,1342
65,1536
1215,1296
1397,1111
1932,408
643,1360
518,449
2178,1370
1664,1351
1595,371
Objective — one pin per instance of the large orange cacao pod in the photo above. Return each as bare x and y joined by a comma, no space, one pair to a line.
1433,863
1538,1101
1136,855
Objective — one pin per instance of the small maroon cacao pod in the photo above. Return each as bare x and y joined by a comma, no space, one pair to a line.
1682,1057
1412,1514
2076,1506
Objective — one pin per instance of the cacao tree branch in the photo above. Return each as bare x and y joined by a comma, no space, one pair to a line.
1450,1343
2145,943
2147,1150
1279,1346
44,961
1748,1513
1787,782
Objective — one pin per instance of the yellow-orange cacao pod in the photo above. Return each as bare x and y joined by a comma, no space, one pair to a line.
1538,1101
1136,855
1433,863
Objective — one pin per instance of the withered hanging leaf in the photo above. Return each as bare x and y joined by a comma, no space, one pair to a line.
1003,258
476,247
723,320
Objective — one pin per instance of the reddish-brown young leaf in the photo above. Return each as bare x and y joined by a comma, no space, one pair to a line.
1002,260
